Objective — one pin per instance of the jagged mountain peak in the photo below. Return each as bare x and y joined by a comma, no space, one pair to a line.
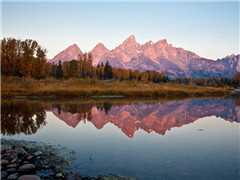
151,42
99,45
231,56
130,39
71,52
73,47
162,42
98,51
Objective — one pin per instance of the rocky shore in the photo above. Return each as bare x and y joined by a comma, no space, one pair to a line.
29,160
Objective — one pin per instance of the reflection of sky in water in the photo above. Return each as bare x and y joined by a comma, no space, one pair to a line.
182,153
207,148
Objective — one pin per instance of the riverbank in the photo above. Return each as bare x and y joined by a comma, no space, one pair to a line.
31,160
12,87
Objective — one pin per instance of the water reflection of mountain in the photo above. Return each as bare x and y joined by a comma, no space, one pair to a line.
27,116
158,117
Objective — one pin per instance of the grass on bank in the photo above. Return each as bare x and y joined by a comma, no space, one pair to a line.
11,87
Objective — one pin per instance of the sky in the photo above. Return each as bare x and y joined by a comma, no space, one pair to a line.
209,29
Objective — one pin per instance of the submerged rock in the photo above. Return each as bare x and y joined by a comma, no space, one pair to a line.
113,177
38,153
4,162
22,151
14,165
13,176
3,174
26,167
30,157
11,170
14,160
13,153
59,175
29,177
74,176
7,156
5,148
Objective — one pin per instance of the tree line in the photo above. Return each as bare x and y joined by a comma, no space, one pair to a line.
82,68
23,58
214,81
28,59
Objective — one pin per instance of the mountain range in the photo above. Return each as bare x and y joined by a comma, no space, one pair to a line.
159,56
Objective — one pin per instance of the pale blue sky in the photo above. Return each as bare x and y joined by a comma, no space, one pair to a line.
210,29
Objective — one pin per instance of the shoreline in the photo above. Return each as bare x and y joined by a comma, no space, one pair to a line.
86,88
36,160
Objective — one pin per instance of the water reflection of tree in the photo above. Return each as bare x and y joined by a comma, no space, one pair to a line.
237,100
21,117
106,106
84,111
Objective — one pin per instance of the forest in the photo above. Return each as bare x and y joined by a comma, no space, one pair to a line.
28,59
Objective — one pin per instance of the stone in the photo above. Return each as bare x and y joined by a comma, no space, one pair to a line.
51,174
14,160
21,151
8,157
29,177
14,153
26,167
14,165
4,162
3,174
5,148
30,157
74,176
38,153
11,170
26,162
99,177
13,176
59,175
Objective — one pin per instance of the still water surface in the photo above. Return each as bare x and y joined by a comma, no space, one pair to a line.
145,139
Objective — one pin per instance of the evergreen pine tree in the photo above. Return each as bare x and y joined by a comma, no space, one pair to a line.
59,72
108,73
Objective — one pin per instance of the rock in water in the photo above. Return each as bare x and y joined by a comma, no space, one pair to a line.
74,176
21,151
14,153
7,156
29,177
13,176
4,162
11,170
26,167
14,165
5,148
3,174
38,153
59,175
29,157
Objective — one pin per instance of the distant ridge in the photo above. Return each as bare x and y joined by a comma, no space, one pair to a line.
159,56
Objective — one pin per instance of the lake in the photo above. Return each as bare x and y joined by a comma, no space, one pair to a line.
141,138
